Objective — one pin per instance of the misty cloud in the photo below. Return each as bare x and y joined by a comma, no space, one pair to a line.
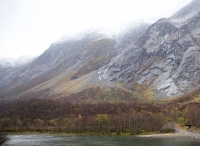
29,27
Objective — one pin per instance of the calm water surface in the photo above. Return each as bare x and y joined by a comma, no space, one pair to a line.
45,140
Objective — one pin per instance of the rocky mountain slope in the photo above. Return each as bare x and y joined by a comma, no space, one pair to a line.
167,55
62,62
164,56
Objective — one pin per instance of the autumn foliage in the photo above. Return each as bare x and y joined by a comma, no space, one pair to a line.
136,116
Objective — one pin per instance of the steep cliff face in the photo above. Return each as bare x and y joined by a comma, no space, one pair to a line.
166,56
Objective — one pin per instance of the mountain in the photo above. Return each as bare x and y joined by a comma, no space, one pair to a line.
22,60
61,62
166,56
150,60
186,14
9,65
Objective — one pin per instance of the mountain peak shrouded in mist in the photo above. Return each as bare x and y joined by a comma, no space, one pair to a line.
29,27
22,60
154,60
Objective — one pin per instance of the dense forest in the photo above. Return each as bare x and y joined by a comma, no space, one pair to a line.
134,117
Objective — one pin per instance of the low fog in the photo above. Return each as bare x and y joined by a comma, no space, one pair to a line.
29,27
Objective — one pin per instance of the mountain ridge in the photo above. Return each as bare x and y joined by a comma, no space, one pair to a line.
163,55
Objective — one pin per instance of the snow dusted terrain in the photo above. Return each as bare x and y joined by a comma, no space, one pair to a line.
6,63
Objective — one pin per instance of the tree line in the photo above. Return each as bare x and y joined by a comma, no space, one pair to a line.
47,115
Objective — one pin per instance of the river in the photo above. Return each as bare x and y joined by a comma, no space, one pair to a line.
71,140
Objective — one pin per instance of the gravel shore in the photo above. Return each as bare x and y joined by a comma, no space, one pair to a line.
179,133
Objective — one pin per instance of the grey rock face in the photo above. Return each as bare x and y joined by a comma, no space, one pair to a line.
166,56
186,14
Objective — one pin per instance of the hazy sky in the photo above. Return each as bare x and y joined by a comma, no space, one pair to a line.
28,27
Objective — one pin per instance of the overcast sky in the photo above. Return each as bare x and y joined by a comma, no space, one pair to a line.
28,27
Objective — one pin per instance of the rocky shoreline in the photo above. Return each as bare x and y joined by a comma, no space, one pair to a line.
178,133
173,135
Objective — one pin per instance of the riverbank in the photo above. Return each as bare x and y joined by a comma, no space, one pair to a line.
179,132
78,134
71,134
